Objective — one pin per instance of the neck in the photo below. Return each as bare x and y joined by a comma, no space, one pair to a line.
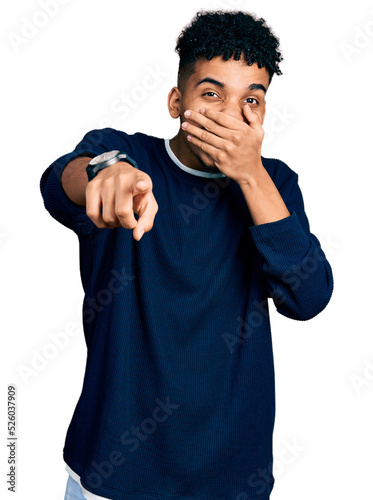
186,156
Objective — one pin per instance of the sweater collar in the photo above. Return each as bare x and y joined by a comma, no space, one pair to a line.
192,171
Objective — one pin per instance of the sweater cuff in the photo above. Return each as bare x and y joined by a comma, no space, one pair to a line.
285,237
56,200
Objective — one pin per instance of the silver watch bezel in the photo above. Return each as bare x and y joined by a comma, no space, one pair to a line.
97,164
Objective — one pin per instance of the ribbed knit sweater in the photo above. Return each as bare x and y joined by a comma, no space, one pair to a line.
178,397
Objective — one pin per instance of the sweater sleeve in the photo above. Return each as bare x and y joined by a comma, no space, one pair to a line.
55,199
297,274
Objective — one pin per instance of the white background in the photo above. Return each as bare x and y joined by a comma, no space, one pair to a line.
69,77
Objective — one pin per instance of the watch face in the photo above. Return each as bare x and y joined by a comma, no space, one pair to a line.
104,157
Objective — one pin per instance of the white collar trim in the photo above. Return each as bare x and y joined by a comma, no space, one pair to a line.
192,171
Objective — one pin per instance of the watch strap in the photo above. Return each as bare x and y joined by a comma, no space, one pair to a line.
92,170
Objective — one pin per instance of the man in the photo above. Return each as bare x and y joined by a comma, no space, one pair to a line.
178,399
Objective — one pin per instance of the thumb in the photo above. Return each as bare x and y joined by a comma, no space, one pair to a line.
142,185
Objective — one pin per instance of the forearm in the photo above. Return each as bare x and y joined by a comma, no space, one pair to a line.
74,179
298,276
263,199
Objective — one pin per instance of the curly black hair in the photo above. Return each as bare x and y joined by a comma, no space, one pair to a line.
228,34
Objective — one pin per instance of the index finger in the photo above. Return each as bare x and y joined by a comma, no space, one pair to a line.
219,128
124,195
221,118
146,207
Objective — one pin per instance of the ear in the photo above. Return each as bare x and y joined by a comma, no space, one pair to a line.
174,102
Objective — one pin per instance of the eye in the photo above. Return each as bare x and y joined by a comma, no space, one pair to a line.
210,94
251,100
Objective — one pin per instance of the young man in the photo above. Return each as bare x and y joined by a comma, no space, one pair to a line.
178,399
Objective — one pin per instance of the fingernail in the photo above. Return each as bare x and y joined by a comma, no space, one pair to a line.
202,110
140,235
187,113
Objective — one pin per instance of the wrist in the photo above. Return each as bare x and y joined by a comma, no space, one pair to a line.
106,160
254,176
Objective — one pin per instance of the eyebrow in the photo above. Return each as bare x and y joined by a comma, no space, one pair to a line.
253,86
210,80
257,86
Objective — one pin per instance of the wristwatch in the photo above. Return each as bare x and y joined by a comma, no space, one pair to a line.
105,160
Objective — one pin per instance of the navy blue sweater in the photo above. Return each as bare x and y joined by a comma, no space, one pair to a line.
178,397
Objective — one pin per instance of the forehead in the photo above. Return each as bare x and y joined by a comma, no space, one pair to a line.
231,73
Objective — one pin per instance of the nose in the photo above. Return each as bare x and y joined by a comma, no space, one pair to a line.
234,110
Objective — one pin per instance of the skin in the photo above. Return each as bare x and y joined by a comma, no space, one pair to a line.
221,109
228,97
221,129
120,190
